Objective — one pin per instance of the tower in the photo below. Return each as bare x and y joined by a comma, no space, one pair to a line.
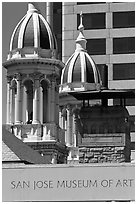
79,74
33,74
100,132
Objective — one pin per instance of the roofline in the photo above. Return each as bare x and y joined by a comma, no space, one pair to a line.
101,94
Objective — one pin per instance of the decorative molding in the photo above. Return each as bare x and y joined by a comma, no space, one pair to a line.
9,78
42,61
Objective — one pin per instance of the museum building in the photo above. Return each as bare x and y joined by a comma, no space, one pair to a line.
64,112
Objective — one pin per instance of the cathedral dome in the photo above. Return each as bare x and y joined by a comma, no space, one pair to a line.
80,71
33,37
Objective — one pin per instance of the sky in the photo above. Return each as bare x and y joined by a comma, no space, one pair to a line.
12,13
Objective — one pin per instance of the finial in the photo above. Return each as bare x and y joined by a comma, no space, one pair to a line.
81,41
81,27
31,8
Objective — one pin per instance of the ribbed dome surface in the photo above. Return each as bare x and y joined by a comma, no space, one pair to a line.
80,68
33,36
80,71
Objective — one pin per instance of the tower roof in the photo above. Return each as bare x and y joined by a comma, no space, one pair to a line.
80,71
33,37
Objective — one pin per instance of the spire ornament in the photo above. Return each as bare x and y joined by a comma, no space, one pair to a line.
81,27
81,41
31,8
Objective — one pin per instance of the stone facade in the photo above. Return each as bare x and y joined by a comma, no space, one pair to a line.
106,137
55,151
102,154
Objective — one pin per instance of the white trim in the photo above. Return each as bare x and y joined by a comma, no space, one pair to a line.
13,34
36,29
22,30
71,67
83,67
62,75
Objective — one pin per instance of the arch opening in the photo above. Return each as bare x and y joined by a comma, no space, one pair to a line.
45,100
28,101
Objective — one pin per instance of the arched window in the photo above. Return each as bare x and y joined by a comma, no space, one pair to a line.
45,100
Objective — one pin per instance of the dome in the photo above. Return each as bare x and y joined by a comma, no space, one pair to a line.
33,37
80,71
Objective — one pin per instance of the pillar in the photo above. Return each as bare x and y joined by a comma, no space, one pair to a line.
12,105
8,100
24,106
18,105
64,122
45,105
75,129
36,96
60,117
41,105
53,103
57,105
49,104
69,125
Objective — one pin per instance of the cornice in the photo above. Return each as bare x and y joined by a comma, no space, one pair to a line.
38,61
49,146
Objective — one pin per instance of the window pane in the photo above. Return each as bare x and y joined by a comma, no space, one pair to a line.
96,46
124,45
93,20
132,123
124,19
124,71
129,101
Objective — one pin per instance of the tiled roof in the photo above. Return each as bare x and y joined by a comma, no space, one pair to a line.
13,149
8,154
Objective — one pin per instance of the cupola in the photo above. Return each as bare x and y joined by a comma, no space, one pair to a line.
80,72
33,37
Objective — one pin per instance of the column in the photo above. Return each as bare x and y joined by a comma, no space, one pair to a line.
53,103
36,108
75,130
69,125
24,106
57,105
41,105
12,105
60,117
49,103
8,100
64,122
19,98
